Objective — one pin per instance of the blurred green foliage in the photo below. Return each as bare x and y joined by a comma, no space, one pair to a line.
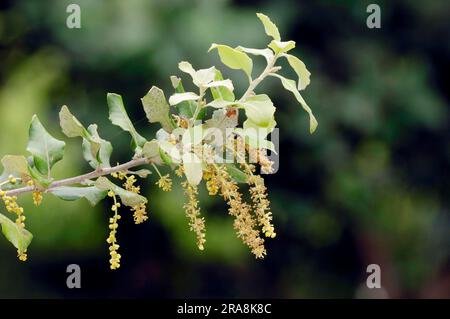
370,186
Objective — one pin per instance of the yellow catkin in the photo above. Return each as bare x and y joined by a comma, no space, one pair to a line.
165,183
114,261
139,211
196,223
244,223
258,192
179,171
12,207
37,195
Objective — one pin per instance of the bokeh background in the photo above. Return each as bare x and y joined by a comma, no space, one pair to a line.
370,186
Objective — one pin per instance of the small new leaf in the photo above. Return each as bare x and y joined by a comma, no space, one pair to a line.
270,27
102,157
281,47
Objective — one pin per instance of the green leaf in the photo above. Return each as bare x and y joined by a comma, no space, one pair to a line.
170,150
71,127
157,109
233,58
72,193
165,157
266,53
270,27
151,151
221,92
192,168
126,197
16,165
19,237
186,108
38,177
259,109
181,97
46,149
301,70
118,116
102,157
235,173
281,47
290,86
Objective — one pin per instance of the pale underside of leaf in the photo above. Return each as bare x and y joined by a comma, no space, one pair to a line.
181,97
72,193
290,86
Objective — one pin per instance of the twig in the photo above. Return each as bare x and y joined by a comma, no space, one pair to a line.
82,178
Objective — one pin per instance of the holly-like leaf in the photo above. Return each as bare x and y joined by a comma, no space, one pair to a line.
192,168
222,92
234,58
72,193
157,109
126,197
118,116
46,149
102,157
281,46
290,86
19,237
71,127
302,72
270,27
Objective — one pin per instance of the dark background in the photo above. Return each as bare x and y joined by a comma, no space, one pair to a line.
370,186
